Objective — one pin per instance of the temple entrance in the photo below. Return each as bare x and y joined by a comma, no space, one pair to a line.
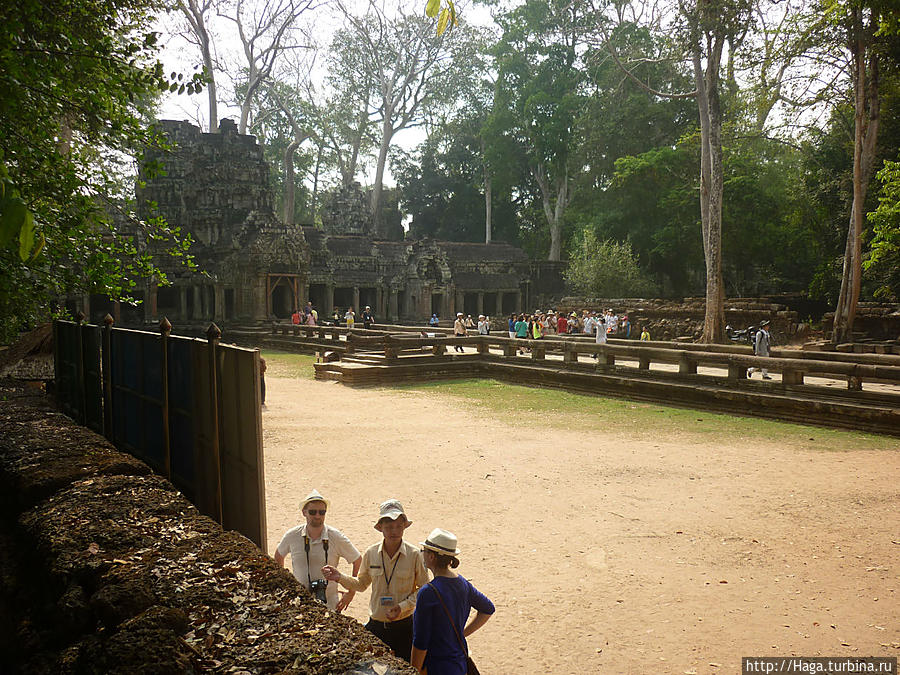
283,294
282,301
367,296
470,304
437,299
343,298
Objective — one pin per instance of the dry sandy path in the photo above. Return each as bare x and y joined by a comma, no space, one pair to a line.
612,551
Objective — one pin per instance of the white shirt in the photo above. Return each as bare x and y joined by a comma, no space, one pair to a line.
294,542
601,333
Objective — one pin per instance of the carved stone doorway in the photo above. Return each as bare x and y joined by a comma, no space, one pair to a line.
282,294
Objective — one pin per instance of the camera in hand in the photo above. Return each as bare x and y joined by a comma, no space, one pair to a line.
317,588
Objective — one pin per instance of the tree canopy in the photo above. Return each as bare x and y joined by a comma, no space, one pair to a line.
77,81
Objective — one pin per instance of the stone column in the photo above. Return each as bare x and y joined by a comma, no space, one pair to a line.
519,307
356,307
182,303
86,306
151,302
304,295
460,302
480,302
447,305
198,304
499,307
219,302
260,300
392,305
329,301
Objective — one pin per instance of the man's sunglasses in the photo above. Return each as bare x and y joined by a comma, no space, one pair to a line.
314,512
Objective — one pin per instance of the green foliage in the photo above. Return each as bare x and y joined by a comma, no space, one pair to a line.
442,187
76,81
606,269
652,201
884,260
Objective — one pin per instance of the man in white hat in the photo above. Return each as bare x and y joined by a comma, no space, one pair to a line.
761,343
367,317
459,330
314,545
396,571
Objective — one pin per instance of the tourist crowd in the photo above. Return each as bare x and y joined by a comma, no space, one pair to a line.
542,324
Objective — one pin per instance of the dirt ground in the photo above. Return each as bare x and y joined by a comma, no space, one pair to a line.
614,552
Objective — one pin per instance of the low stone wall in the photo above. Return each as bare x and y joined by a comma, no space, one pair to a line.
873,320
683,319
106,568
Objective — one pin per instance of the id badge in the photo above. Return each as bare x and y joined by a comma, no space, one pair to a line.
387,600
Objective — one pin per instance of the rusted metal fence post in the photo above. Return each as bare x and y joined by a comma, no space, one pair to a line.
165,329
106,367
82,394
213,334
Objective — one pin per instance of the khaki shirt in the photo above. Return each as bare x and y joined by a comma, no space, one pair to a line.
407,574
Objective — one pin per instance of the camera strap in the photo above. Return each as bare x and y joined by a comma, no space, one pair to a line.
306,547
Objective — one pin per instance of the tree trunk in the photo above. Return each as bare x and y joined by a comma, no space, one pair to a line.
253,82
711,189
487,199
210,84
315,191
866,121
387,132
553,212
289,181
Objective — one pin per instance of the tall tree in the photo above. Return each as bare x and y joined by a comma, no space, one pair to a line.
409,68
859,21
538,99
705,33
266,30
76,83
196,31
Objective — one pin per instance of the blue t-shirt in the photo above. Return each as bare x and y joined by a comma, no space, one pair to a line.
512,325
431,627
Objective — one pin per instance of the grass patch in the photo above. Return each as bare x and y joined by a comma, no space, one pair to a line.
537,408
288,364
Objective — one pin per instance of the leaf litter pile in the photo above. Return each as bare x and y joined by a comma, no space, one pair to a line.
105,567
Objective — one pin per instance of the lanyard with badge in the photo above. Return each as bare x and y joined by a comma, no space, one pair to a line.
388,600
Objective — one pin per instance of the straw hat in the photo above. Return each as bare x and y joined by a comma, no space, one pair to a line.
442,542
314,496
391,509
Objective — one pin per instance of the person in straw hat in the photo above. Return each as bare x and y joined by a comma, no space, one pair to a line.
396,570
442,609
314,544
459,330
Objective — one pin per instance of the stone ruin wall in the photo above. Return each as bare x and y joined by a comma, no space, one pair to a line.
108,569
683,319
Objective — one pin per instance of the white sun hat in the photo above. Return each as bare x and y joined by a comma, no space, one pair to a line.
391,509
314,496
442,542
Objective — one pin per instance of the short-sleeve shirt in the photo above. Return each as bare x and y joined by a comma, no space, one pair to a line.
521,329
394,579
339,546
432,630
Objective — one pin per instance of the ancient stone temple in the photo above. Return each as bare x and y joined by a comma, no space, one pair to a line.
255,268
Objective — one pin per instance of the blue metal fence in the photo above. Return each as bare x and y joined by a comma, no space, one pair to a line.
161,398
